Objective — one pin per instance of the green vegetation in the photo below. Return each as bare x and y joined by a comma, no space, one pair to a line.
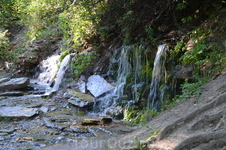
5,54
154,134
139,144
138,116
7,13
4,118
82,62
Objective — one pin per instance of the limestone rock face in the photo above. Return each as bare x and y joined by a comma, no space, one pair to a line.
97,85
15,83
183,72
27,61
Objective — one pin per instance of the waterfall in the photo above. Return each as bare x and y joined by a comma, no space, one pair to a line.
155,98
125,71
47,69
61,71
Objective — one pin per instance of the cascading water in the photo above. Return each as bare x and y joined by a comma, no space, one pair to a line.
155,98
47,71
61,71
125,71
130,70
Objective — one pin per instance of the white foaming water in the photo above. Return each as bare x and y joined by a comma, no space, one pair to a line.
61,71
154,98
48,69
128,60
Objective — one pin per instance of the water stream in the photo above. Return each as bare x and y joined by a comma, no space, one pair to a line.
61,71
130,70
48,72
155,98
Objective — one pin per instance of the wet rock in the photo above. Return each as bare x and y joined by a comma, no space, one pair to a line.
90,121
3,134
27,61
79,85
4,80
79,99
1,98
50,124
9,131
98,85
116,113
44,109
79,129
12,94
18,112
15,83
183,72
105,121
24,139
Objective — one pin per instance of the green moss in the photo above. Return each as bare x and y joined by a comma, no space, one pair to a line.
85,97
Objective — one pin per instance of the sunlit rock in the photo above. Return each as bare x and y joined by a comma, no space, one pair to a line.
18,112
15,83
116,113
4,80
90,121
14,93
44,109
97,85
79,99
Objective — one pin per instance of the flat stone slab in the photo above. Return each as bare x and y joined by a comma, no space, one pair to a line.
4,80
12,93
15,83
18,112
97,85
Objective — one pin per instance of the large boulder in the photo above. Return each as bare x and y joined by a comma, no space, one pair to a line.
15,83
97,85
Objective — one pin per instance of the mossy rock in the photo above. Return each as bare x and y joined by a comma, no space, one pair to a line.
82,96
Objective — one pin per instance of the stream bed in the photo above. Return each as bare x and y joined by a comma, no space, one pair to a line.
55,121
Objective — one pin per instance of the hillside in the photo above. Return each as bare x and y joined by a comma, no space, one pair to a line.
117,41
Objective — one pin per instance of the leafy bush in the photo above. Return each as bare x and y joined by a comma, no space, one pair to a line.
38,14
4,44
7,13
78,22
82,62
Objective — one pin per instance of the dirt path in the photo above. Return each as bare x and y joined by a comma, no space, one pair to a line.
197,123
193,124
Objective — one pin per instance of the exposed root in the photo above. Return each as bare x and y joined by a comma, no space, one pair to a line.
210,141
221,122
170,128
213,119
